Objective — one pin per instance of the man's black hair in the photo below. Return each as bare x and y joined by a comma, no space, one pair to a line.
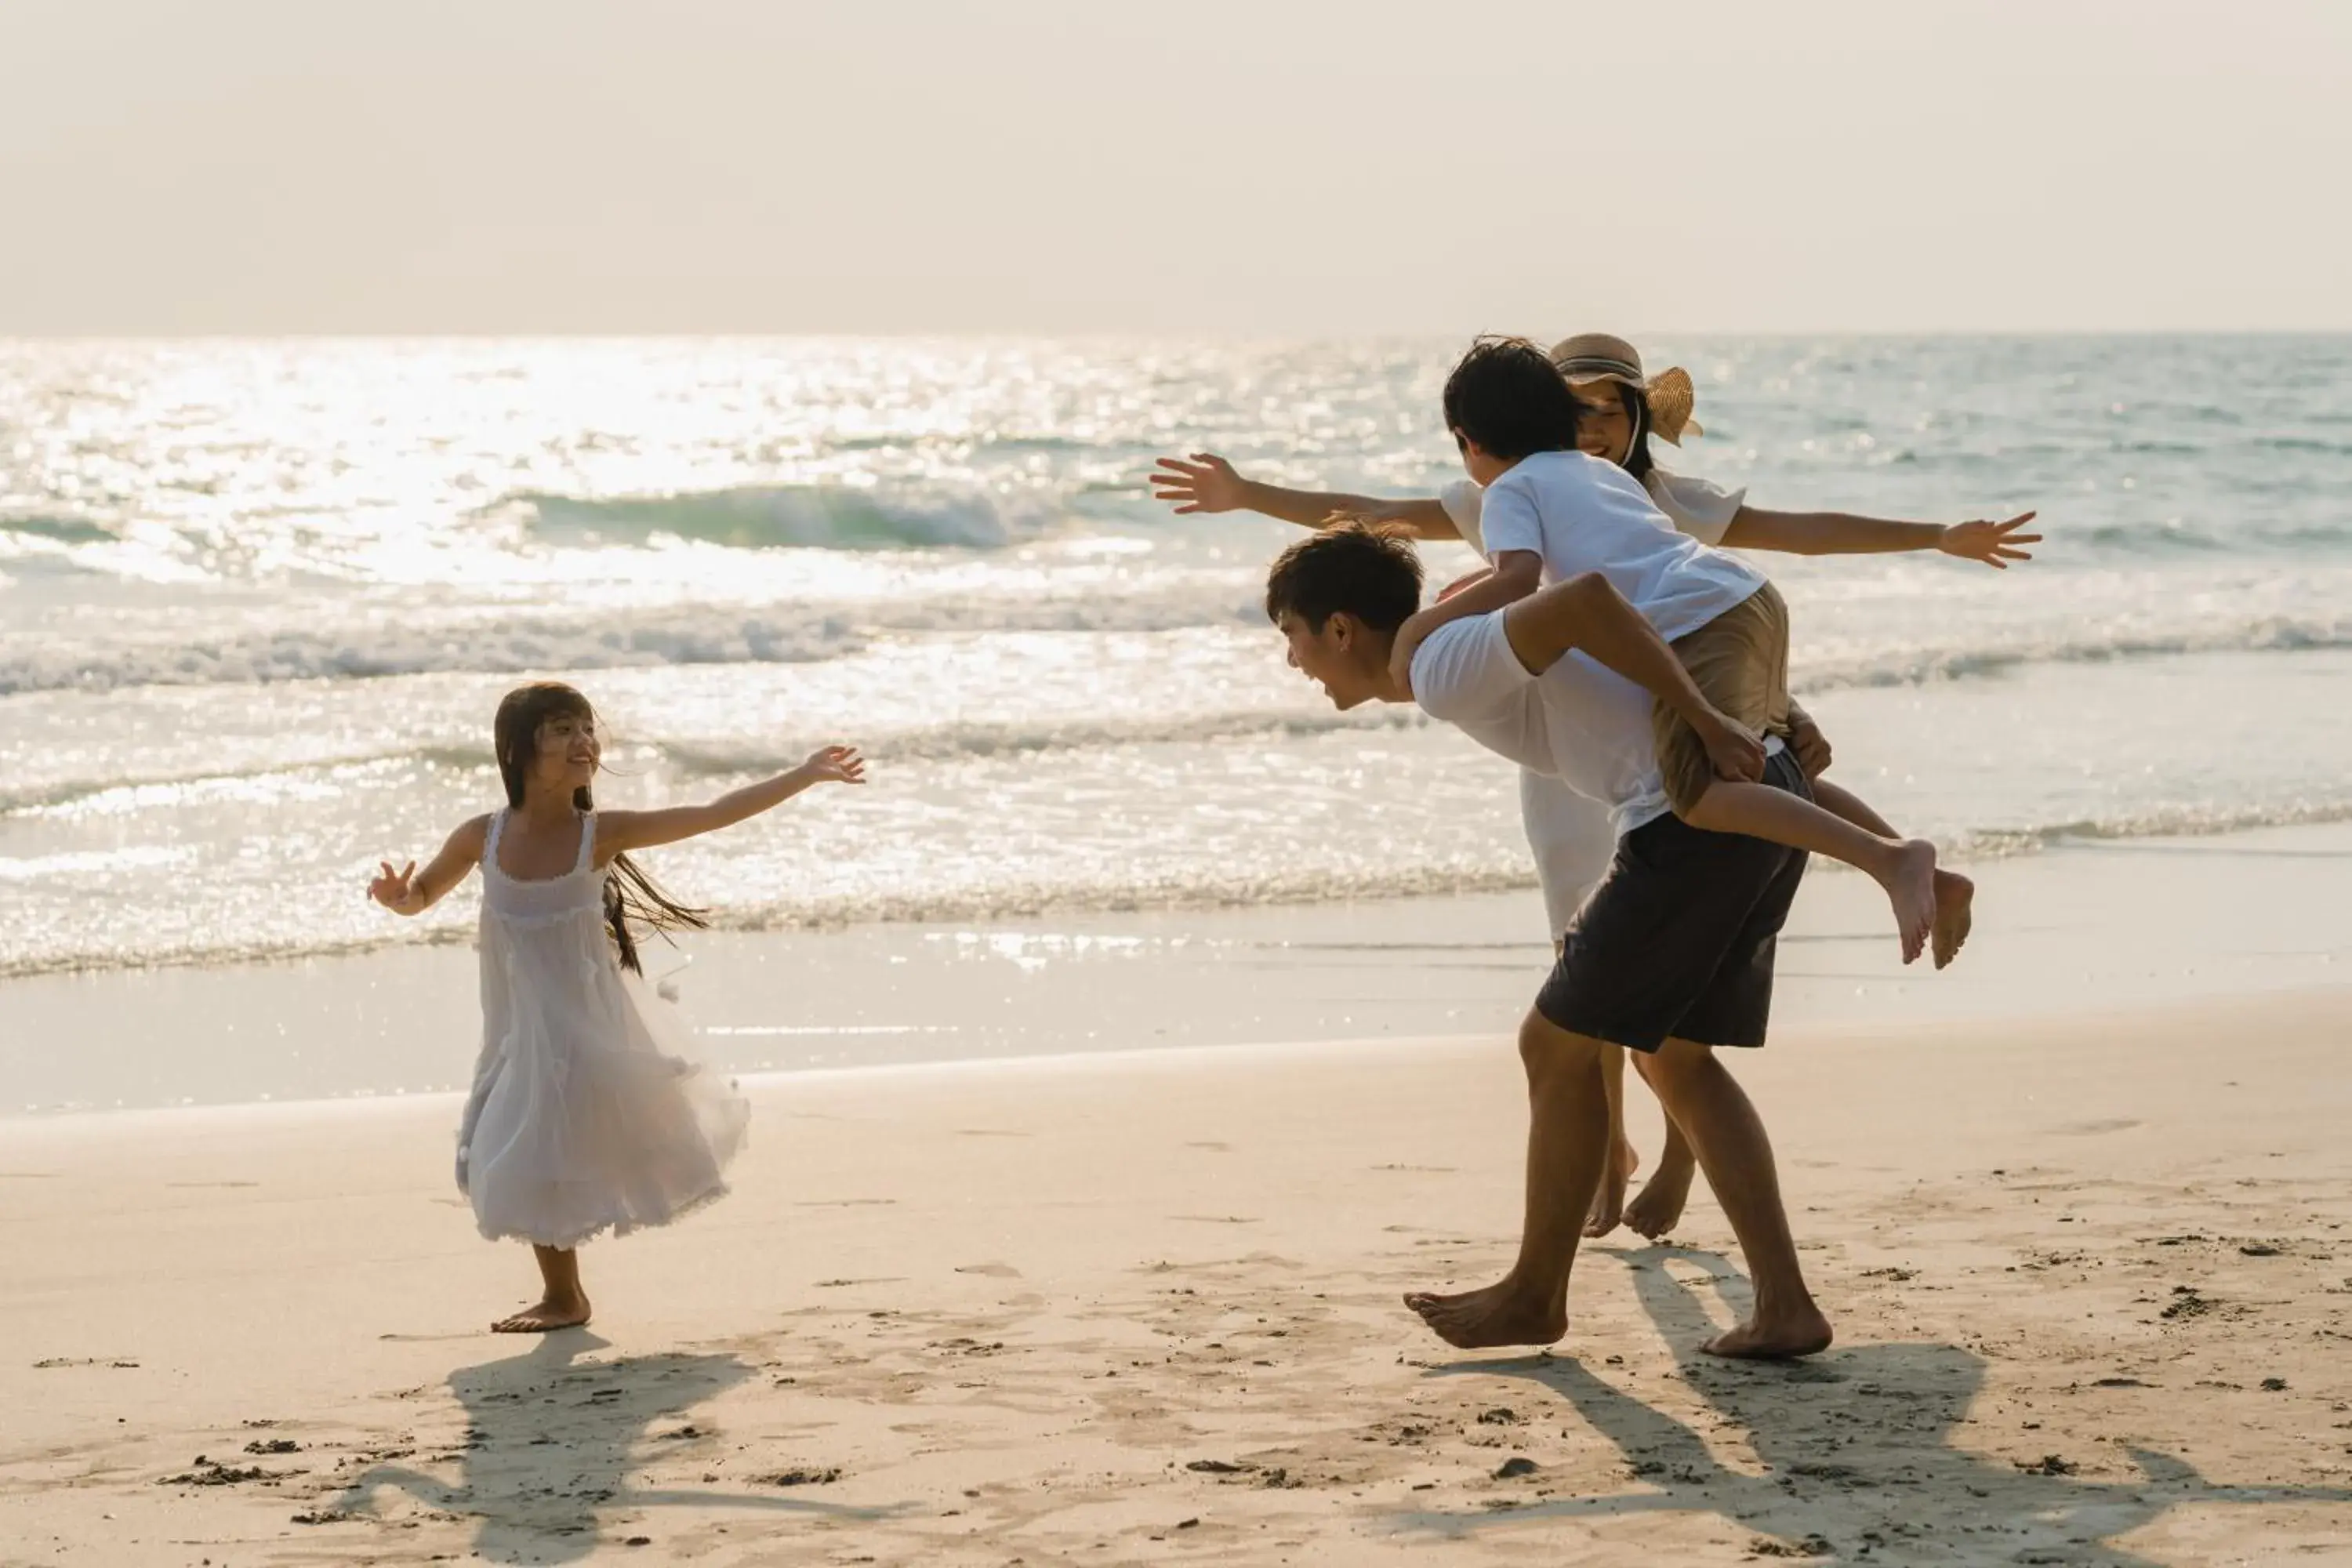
1366,570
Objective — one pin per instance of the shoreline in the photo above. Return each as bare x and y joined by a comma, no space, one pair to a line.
2096,925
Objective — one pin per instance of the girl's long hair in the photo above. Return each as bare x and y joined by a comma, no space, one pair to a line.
631,898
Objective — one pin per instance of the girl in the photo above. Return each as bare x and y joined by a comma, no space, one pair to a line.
1620,407
586,1115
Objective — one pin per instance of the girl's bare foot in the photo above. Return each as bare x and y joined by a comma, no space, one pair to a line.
1909,877
554,1312
1782,1337
1501,1314
1955,913
1609,1203
1657,1208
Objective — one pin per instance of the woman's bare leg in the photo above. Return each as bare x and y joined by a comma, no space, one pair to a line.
1609,1203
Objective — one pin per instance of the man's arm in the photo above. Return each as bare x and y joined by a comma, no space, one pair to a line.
1843,534
1586,615
1208,483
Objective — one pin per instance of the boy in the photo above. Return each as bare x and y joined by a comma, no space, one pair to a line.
1553,513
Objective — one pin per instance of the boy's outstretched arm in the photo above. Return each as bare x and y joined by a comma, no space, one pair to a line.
405,892
618,831
1206,482
1843,534
1586,615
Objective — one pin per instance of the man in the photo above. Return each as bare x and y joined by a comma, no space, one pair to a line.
1671,956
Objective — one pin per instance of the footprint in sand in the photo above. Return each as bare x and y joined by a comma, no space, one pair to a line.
844,1203
1217,1218
993,1270
1212,1145
2092,1129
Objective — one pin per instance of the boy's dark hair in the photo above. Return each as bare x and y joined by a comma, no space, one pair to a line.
1507,395
1370,571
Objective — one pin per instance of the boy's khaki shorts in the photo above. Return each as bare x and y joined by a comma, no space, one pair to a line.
1739,662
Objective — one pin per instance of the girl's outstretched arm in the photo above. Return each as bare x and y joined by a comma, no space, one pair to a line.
618,831
1208,483
405,892
1840,533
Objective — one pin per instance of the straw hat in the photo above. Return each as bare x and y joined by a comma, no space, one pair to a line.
1597,356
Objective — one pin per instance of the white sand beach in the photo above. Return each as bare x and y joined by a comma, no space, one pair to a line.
2086,1255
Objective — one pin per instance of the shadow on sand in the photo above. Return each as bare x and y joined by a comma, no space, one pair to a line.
550,1447
1858,1450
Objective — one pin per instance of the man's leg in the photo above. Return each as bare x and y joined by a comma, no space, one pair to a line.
1729,1140
1568,1140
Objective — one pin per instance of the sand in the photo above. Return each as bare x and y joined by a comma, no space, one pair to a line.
2091,1277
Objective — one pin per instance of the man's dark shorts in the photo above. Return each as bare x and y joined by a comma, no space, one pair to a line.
1677,941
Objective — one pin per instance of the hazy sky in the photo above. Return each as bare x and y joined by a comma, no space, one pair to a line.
1265,167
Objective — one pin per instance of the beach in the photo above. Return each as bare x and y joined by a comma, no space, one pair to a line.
2081,1228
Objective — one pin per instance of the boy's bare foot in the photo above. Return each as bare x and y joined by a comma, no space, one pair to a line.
1609,1203
1909,879
1780,1338
566,1312
1657,1208
1501,1314
1955,913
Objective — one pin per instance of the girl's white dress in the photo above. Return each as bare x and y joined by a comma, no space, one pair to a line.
587,1112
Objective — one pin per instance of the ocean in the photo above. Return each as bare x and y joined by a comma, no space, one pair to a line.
258,600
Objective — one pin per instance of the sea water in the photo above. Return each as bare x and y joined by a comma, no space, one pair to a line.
260,599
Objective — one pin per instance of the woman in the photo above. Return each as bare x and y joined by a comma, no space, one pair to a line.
1620,408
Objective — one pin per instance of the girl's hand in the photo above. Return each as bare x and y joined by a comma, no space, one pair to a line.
1207,483
391,887
836,765
1994,544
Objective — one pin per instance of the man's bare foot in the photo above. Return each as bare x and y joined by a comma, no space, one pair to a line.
568,1312
1501,1314
1955,913
1909,879
1609,1203
1657,1208
1783,1338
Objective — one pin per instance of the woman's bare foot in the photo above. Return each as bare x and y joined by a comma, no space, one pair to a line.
1609,1203
1657,1208
554,1312
1908,876
1501,1314
1955,913
1782,1337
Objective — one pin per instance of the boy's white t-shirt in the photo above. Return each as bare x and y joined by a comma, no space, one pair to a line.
1581,514
1700,507
1578,721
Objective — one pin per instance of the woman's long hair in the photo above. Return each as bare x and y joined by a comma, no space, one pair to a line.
631,898
1638,461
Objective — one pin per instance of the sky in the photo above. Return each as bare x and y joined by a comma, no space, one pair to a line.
1210,167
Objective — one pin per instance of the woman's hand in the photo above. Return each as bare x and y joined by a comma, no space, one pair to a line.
1994,544
1811,747
391,889
835,764
1207,483
1459,584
